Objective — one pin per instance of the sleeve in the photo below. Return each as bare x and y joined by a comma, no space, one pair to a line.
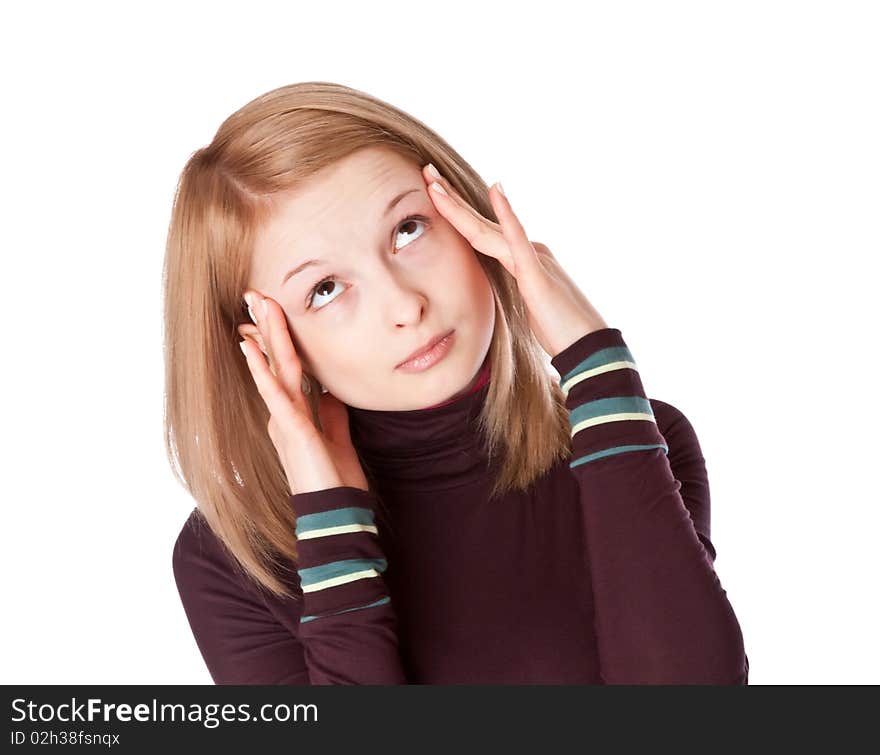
661,614
240,640
348,625
347,628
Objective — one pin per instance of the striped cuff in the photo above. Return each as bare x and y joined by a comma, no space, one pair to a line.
342,572
608,409
380,602
335,522
340,557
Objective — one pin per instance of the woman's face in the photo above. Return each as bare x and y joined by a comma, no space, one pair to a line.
385,281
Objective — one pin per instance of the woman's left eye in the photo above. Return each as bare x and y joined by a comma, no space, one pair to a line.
403,226
409,222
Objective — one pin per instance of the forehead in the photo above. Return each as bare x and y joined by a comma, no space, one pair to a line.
344,198
357,177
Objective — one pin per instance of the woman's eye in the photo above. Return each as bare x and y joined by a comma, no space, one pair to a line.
407,224
322,288
326,288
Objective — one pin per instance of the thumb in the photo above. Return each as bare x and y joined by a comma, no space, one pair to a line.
334,419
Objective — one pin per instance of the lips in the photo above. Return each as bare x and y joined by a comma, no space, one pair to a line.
427,347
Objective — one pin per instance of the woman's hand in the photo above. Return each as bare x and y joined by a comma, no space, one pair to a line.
312,460
559,314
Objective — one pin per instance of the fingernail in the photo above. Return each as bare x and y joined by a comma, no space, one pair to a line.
433,171
241,345
500,189
265,306
438,188
248,301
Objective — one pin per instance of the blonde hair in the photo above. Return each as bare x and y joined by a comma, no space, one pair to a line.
215,428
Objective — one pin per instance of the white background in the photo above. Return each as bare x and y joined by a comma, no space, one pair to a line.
706,171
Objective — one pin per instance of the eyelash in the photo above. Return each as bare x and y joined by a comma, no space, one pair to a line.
311,295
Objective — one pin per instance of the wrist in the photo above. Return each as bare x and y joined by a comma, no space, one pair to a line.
309,470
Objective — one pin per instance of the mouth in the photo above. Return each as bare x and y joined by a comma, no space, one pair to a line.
428,355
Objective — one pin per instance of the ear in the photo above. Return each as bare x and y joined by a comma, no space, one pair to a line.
247,329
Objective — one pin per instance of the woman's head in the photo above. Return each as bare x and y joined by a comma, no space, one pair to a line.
306,172
390,273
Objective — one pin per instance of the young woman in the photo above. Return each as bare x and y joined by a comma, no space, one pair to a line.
392,484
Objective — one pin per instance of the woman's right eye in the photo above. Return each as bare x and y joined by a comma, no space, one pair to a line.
318,287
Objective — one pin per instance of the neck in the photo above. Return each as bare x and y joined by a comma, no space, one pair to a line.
438,447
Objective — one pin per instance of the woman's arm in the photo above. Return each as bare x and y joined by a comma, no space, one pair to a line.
347,629
662,615
348,626
240,640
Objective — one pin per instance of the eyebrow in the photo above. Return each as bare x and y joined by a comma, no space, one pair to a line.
308,263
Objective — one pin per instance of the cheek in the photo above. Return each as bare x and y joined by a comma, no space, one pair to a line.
453,257
466,281
472,275
310,347
334,352
479,291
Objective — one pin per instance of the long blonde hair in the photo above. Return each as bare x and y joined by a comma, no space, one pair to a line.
215,429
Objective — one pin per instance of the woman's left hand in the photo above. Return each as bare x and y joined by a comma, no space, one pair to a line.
559,313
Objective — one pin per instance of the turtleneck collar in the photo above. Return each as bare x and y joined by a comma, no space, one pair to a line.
435,448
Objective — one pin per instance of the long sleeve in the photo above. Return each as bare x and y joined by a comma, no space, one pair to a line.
240,639
348,625
661,614
343,631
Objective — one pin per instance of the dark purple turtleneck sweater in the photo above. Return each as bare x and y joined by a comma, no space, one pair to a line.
601,572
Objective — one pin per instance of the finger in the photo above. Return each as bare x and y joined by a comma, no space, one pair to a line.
276,398
456,201
246,330
265,325
254,308
525,257
459,200
287,363
334,419
483,234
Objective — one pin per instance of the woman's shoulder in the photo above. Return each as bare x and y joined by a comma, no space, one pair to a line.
196,542
201,562
205,569
245,635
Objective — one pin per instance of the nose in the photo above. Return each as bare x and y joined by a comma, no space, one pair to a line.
403,302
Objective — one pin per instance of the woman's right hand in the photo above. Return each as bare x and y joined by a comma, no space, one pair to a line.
312,460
